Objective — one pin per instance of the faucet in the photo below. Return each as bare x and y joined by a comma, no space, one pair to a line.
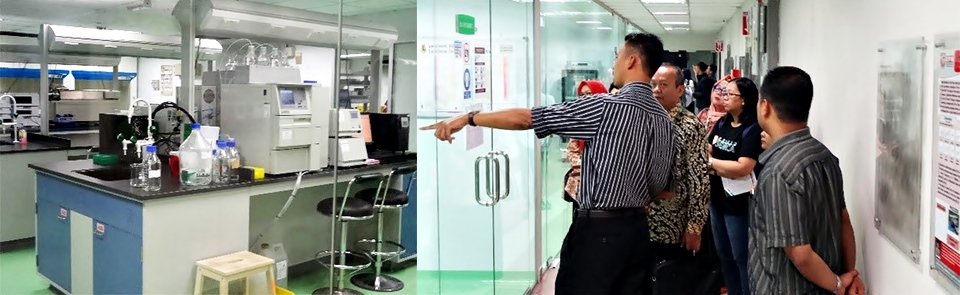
144,142
13,116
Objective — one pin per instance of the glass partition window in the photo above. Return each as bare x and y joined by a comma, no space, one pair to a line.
477,221
121,77
579,41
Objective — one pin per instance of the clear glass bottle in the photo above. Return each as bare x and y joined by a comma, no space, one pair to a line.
275,58
234,154
223,170
251,58
151,167
196,159
263,58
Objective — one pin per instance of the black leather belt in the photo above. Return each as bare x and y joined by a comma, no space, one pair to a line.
609,213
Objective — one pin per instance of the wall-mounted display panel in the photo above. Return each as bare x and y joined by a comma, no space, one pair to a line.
899,134
946,163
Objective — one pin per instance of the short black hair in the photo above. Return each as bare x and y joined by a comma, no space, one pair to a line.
650,48
678,74
702,66
790,91
750,95
713,68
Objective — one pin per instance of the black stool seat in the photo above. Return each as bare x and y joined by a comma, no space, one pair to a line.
354,207
394,197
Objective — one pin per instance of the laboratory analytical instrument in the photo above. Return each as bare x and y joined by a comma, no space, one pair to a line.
353,149
282,127
390,132
259,74
206,99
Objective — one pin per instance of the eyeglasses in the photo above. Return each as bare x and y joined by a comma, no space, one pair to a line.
730,94
720,89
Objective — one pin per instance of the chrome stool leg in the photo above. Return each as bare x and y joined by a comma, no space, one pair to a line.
342,265
377,281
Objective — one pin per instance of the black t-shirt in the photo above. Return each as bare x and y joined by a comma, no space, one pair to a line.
728,143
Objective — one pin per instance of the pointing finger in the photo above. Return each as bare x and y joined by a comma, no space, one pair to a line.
429,127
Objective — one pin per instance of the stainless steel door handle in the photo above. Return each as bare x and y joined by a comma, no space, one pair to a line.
495,175
476,180
506,162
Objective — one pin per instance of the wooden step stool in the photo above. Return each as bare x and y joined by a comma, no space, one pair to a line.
231,267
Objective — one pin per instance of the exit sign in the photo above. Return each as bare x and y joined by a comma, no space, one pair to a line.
466,24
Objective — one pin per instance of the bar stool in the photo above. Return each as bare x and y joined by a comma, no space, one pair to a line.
383,198
344,210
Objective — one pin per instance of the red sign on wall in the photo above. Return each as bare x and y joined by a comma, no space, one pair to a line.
718,46
744,24
956,61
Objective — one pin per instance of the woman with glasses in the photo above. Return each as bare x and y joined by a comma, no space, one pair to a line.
710,115
735,147
575,147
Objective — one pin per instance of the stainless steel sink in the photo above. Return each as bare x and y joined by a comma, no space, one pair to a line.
112,173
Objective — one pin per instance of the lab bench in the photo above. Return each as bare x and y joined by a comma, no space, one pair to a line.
17,184
101,236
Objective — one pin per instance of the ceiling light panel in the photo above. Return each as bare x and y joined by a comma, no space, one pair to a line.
664,1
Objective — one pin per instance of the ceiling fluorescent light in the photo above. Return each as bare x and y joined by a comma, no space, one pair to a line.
675,23
604,28
664,1
588,22
355,55
669,13
676,29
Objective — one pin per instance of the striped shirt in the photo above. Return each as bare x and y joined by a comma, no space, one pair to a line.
629,144
798,201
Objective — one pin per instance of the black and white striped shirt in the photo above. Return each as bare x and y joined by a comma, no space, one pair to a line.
629,144
798,201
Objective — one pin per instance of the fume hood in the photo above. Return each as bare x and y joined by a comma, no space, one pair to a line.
272,23
22,49
77,40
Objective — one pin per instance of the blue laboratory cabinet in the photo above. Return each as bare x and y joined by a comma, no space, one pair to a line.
88,234
53,241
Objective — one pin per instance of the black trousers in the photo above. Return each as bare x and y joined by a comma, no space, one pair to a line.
606,256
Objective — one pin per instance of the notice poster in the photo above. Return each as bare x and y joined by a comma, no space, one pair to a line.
947,159
480,60
460,71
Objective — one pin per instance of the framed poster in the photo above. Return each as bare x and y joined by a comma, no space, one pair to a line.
946,163
899,144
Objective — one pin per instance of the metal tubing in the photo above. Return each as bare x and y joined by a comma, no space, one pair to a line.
336,126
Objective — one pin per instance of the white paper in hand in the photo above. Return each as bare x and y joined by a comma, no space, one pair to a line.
739,186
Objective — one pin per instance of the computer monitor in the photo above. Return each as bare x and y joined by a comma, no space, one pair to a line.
365,128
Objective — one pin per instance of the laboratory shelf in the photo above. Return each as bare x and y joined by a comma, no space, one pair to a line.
30,73
102,76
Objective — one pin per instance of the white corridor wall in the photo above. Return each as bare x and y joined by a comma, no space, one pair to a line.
836,42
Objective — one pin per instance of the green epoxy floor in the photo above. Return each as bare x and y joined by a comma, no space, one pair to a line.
18,276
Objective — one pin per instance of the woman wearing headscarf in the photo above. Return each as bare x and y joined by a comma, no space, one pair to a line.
575,147
717,110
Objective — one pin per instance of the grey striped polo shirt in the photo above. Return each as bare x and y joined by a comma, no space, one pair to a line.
798,201
629,149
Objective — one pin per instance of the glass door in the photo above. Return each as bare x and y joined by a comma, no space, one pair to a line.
476,217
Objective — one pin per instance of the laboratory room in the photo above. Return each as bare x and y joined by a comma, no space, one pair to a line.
207,147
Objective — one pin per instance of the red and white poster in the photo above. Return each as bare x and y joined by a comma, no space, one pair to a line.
745,23
947,158
718,46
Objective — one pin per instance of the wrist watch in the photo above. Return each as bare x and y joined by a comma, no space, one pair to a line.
710,162
470,118
839,284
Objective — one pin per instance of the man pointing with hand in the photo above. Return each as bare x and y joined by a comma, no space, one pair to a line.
626,161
